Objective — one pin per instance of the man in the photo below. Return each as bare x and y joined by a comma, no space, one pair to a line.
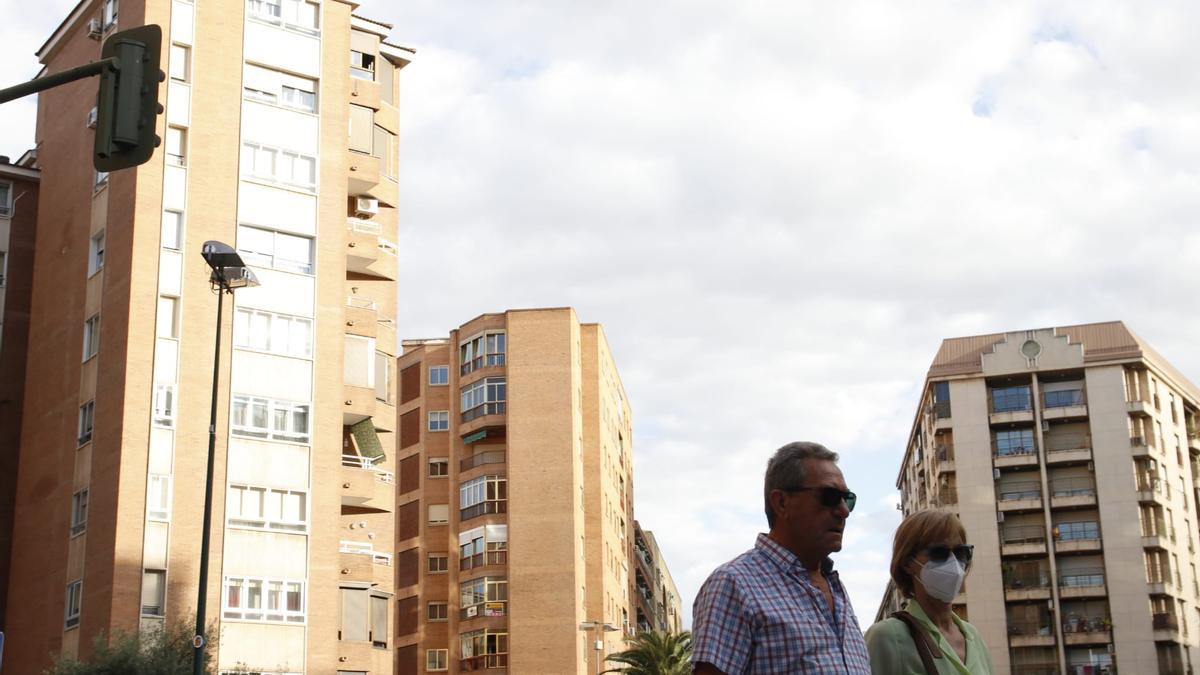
779,608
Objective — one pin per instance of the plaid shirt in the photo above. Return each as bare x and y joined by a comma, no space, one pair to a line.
760,614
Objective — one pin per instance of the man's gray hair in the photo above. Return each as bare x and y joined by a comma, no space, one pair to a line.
785,470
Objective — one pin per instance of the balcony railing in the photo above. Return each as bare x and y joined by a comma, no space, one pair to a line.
364,226
492,408
1030,628
360,303
1024,534
484,662
1063,399
489,608
482,508
945,452
1148,482
1013,450
1065,442
481,458
1077,486
1015,399
1019,491
1082,578
1019,581
1087,624
483,559
368,463
1165,621
365,548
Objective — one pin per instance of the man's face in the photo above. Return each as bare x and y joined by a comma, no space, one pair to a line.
813,525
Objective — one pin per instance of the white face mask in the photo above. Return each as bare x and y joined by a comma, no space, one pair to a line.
942,580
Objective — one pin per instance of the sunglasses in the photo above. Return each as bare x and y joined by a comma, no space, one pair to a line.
939,554
831,497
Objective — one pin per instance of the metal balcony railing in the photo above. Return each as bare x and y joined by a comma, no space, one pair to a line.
1013,450
1082,578
1087,624
365,548
483,662
482,508
483,559
945,452
1019,491
1030,628
491,408
1165,621
1027,580
1023,534
1060,442
1076,486
368,463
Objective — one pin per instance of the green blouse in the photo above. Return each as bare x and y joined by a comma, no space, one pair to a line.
893,651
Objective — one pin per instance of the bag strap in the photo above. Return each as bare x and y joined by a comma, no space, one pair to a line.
926,648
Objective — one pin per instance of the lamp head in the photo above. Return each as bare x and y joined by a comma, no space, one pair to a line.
220,255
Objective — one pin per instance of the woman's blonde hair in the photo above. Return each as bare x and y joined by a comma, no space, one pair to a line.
921,529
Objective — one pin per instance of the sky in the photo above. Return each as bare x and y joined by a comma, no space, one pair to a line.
777,210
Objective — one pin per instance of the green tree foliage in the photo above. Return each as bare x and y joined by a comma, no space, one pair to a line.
166,651
655,653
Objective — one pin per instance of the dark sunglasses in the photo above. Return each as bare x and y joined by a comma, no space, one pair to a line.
831,497
939,554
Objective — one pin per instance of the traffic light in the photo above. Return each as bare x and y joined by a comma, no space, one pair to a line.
128,109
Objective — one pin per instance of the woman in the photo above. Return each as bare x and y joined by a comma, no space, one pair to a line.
930,558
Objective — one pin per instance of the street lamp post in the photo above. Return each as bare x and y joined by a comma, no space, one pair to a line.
598,644
228,273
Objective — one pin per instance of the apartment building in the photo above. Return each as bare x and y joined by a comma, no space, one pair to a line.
665,595
515,517
18,222
1072,457
280,139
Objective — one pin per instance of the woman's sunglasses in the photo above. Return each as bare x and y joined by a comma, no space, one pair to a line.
939,554
831,497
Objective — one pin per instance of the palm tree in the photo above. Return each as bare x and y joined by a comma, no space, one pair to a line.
655,653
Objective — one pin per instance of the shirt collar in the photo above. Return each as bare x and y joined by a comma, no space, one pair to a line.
913,607
785,559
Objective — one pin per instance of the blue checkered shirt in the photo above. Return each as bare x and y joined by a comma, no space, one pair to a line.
760,614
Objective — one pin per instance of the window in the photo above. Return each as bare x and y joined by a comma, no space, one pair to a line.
279,166
278,88
1079,530
177,146
383,377
167,321
436,611
487,545
379,621
172,229
439,467
257,507
439,420
439,375
99,179
274,333
1008,399
181,62
74,600
483,350
3,266
1014,442
5,199
87,412
363,617
91,337
362,120
96,253
268,418
164,404
158,497
79,507
437,563
475,592
357,367
941,399
484,649
277,250
439,514
263,599
154,587
486,494
109,14
437,659
483,397
299,15
362,65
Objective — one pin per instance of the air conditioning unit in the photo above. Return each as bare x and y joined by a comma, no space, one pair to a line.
1000,517
995,474
1045,426
95,29
91,118
366,206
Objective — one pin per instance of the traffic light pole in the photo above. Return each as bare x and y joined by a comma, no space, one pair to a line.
50,81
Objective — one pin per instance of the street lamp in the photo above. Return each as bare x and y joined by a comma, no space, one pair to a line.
228,273
598,644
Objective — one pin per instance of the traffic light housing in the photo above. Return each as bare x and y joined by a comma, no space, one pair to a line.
128,108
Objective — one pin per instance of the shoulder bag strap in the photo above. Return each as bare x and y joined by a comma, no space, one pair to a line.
925,646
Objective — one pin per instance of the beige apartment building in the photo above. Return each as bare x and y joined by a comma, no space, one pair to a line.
1072,456
656,599
515,498
665,593
279,138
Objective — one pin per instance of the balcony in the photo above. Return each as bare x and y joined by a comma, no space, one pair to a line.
1010,404
360,403
1066,404
491,408
484,559
1166,626
1068,448
1015,497
1138,407
1074,492
1014,456
1078,543
493,610
1087,631
367,251
1193,436
363,173
366,485
1149,488
361,316
1030,634
1140,446
359,561
1083,583
481,459
1023,540
483,508
1020,587
945,458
